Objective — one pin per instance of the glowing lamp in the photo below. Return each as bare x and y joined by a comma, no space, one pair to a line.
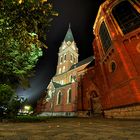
27,107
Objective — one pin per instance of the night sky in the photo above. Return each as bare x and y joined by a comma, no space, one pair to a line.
81,14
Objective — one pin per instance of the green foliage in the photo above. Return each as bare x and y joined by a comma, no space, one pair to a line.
34,15
9,102
6,93
38,118
22,23
17,62
13,107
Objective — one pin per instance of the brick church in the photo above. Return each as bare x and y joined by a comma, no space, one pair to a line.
108,83
62,92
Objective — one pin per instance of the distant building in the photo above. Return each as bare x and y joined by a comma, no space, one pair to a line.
112,86
62,92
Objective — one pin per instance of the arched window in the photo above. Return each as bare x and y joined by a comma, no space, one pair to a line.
69,96
71,57
105,37
127,16
65,57
74,60
59,97
113,66
61,59
64,68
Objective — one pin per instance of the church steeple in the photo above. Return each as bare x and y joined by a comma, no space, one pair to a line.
69,35
68,53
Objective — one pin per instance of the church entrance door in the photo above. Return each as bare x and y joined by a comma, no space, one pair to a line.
95,104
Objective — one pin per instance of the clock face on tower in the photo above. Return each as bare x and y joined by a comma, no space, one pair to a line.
68,43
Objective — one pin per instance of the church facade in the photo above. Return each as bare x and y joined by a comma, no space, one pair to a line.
111,86
62,95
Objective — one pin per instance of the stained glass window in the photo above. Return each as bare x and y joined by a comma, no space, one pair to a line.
127,16
105,37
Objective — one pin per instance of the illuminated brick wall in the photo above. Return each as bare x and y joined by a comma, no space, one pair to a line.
120,64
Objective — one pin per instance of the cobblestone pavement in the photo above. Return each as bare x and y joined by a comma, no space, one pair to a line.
72,129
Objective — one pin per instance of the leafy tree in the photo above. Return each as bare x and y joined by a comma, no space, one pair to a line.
22,24
13,106
6,93
9,102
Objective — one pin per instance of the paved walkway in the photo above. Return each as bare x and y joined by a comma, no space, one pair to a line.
72,129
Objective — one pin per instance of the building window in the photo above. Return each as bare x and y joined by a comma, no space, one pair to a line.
74,79
59,98
105,37
69,96
127,16
65,57
59,70
64,68
71,57
112,66
74,59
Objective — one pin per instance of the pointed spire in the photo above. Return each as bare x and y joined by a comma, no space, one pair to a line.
69,35
69,25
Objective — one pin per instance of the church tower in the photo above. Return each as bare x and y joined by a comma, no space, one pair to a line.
68,53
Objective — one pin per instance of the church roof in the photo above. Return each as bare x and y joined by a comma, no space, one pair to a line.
56,85
85,61
69,35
